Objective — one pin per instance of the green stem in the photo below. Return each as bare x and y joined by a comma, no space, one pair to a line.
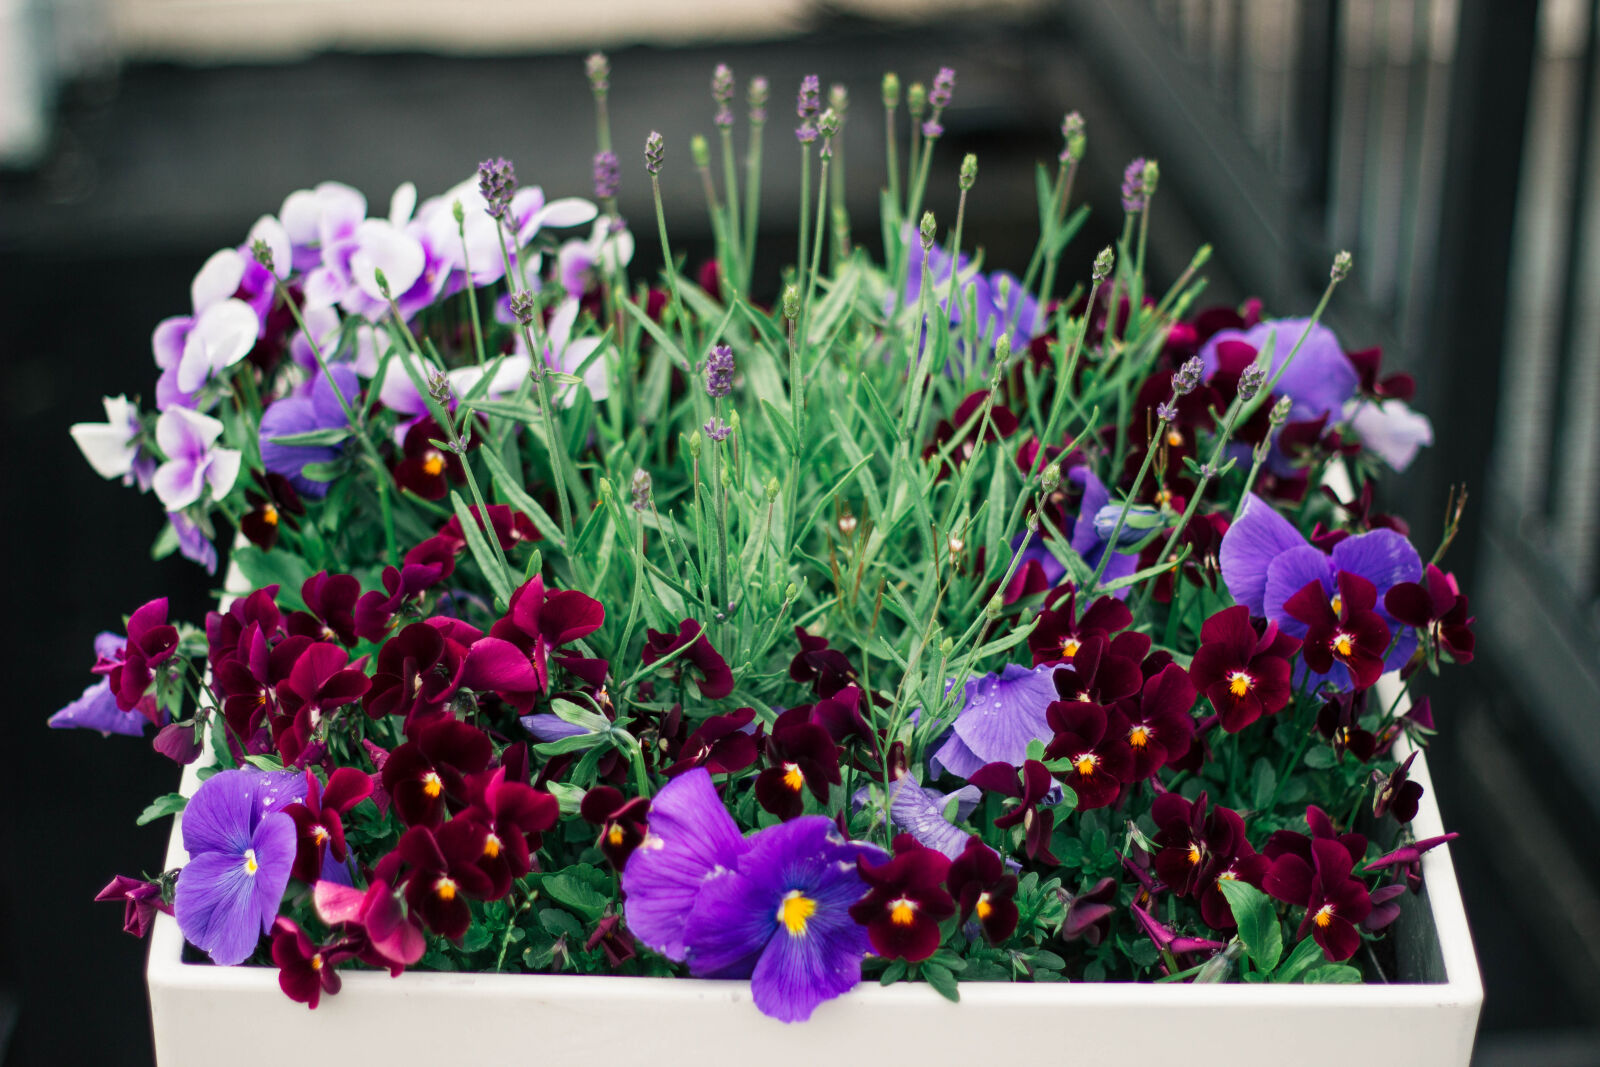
816,247
1127,505
730,181
472,288
955,252
893,162
752,204
671,268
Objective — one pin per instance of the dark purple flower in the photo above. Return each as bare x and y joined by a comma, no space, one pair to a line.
241,849
1089,912
305,971
715,679
801,755
1396,792
151,642
1201,849
1243,673
319,818
444,872
1099,763
1407,859
1320,379
305,414
1343,630
1334,901
141,900
1031,787
389,937
720,744
97,708
1158,724
907,901
1436,606
1165,939
1060,633
622,821
980,884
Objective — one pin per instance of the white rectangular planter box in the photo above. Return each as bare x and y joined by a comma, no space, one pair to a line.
206,1015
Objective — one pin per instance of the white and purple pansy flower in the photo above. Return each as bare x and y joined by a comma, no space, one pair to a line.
189,441
292,415
112,447
1265,561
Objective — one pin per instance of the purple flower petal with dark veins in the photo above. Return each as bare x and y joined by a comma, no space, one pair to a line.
922,816
97,709
1257,537
546,727
1320,379
241,849
689,837
296,415
1004,712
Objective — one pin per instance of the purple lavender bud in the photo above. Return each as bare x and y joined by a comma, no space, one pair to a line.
598,67
655,150
497,181
607,174
828,126
717,430
1251,381
1072,138
1188,376
944,84
523,306
719,372
1134,197
757,98
805,133
1167,412
809,100
640,489
932,130
1207,471
722,93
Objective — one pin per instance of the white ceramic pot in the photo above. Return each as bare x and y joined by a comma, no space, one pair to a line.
207,1015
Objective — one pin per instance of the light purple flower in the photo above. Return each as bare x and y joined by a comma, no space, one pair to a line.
188,440
1392,430
610,245
111,447
220,336
1001,714
295,415
193,544
1086,535
920,813
241,848
317,219
1320,379
97,708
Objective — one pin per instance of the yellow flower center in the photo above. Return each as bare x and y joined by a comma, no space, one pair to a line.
250,864
1226,876
1163,497
984,908
1324,916
903,912
795,910
319,834
1337,603
445,889
1174,439
1240,683
792,776
1086,763
432,464
1194,855
1139,736
491,846
1343,644
1069,647
615,834
269,514
316,961
431,784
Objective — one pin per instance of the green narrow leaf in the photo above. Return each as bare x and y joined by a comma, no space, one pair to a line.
1258,923
330,436
893,973
478,545
943,981
779,420
1299,961
162,806
511,488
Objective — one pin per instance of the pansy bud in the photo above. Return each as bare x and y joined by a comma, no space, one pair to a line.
790,592
947,646
699,151
928,229
655,151
1251,381
969,172
640,489
791,302
891,90
1188,376
995,606
598,68
1341,266
916,101
1103,264
523,306
1073,140
607,175
756,97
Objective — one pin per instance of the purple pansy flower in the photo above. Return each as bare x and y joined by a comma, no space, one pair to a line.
1086,532
1003,305
97,708
1320,379
920,812
1002,713
1265,561
193,544
294,415
241,848
194,461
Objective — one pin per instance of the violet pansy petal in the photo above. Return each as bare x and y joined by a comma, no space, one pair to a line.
1382,557
1095,497
920,816
690,836
328,411
1004,712
732,921
218,818
1258,536
275,790
546,727
274,844
1287,575
1392,430
179,482
97,709
215,905
954,757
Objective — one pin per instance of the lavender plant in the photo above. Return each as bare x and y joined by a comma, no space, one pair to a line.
925,625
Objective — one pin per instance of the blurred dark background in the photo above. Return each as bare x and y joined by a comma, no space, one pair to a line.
1449,144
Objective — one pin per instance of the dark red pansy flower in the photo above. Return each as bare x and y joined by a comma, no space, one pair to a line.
225,628
711,670
427,774
319,818
1030,786
510,527
418,670
422,568
1334,901
321,680
305,971
330,601
444,873
1203,537
425,468
1200,849
1089,912
515,816
622,821
1159,726
1437,607
720,745
140,902
979,883
1339,721
825,669
279,505
1367,363
539,621
1344,630
1104,672
611,937
385,936
1099,762
907,902
841,716
1060,634
999,424
1396,792
1243,673
1166,939
151,642
1289,842
1407,860
800,756
1385,907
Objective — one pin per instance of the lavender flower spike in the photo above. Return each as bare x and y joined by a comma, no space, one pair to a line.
1134,197
655,151
944,84
719,371
722,93
497,182
607,174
